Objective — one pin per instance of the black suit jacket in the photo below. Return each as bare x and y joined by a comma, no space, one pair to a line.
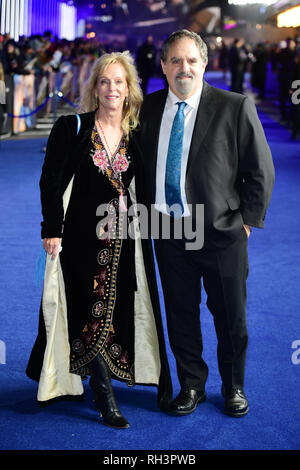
229,170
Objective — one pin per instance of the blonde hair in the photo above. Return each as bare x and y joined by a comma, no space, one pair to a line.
131,109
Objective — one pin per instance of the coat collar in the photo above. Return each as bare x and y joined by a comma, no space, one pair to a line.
87,120
87,125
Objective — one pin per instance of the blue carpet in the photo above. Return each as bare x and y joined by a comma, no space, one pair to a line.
272,380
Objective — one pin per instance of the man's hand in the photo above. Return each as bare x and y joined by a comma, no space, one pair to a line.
248,230
51,246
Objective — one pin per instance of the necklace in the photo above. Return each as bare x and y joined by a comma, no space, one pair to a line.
105,140
122,202
110,154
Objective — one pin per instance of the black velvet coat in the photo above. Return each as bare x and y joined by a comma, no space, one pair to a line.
64,158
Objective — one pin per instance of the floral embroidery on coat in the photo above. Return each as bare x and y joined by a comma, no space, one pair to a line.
98,333
112,168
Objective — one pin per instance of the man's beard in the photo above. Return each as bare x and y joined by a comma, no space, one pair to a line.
184,87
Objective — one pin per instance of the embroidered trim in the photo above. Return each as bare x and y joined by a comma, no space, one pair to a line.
97,335
96,332
113,169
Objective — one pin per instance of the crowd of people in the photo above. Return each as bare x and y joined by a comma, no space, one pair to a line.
281,59
66,65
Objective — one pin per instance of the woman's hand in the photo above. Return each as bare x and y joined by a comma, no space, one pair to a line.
248,230
51,246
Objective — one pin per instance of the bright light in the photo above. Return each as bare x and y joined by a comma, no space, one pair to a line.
229,24
67,21
289,18
2,18
251,2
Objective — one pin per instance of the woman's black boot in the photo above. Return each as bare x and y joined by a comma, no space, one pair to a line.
105,401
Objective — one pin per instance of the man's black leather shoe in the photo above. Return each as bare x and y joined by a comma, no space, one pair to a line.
186,402
236,403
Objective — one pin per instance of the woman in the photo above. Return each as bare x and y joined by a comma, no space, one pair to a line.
113,324
2,94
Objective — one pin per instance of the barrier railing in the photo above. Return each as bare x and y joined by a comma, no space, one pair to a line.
51,95
26,95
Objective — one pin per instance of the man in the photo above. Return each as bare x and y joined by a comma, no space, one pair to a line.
145,61
226,165
284,63
238,60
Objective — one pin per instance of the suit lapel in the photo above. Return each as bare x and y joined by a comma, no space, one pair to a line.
205,114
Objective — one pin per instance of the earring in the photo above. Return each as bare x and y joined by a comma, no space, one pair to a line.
126,101
97,101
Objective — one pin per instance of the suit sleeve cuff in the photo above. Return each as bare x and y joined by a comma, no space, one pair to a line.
51,230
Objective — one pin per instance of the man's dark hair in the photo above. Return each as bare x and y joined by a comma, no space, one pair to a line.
183,34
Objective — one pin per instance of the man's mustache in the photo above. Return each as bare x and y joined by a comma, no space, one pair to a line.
184,75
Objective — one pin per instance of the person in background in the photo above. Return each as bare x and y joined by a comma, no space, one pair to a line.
284,63
224,59
145,61
238,60
259,69
2,93
13,60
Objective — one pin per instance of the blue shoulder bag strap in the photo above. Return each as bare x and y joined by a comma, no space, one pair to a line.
78,123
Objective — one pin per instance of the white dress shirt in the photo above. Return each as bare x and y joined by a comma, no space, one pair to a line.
190,112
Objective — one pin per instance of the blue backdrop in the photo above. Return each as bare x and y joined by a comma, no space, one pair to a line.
272,379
